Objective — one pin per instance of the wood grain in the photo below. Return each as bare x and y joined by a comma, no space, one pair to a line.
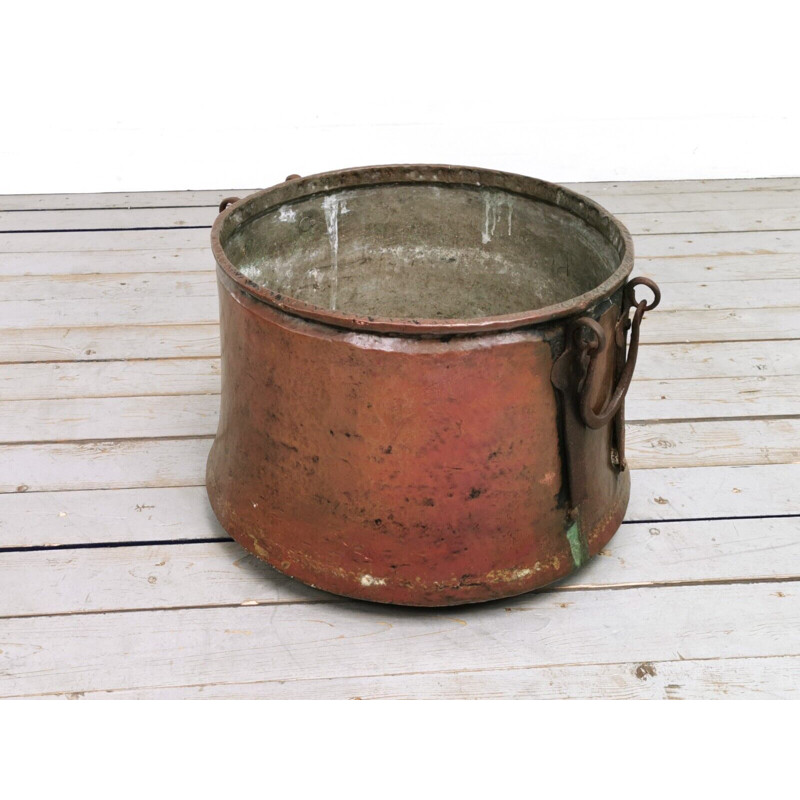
179,513
222,573
765,678
159,649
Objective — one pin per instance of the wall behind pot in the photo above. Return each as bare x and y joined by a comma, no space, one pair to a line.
205,95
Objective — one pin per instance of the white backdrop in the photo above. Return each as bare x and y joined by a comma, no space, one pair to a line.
103,97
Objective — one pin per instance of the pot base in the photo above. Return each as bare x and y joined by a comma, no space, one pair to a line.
376,583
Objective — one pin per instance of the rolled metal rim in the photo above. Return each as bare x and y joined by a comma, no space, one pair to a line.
322,183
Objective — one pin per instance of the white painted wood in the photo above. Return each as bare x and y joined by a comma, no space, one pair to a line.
674,325
25,202
171,376
124,417
109,261
708,269
40,519
651,404
717,360
124,341
181,462
209,574
108,219
654,245
92,300
91,652
74,241
747,219
108,418
714,443
750,218
697,201
126,290
626,188
704,492
679,192
730,678
174,341
103,465
713,398
48,519
722,360
664,270
157,299
679,245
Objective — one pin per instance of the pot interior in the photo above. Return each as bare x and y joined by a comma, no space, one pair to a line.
422,251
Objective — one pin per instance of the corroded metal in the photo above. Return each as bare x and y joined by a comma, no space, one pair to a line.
379,440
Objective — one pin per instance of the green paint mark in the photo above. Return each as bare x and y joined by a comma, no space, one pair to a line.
580,553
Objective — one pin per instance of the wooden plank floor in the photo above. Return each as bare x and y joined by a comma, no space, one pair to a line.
116,581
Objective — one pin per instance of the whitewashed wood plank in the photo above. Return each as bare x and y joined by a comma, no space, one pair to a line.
603,188
92,300
206,197
708,269
653,245
41,519
113,342
174,341
651,404
709,398
730,295
706,492
671,362
674,325
750,219
753,360
181,462
37,381
120,287
103,465
680,245
209,574
108,219
664,270
641,221
714,443
74,241
50,519
717,360
156,649
108,418
153,299
110,261
213,196
124,417
144,577
729,678
698,201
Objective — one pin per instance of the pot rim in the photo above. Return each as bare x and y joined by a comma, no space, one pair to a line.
432,174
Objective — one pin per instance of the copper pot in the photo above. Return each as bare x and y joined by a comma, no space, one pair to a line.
423,375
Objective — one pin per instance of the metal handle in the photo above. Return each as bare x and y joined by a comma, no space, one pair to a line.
590,348
228,201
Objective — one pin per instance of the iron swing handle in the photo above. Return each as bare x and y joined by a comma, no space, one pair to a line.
597,342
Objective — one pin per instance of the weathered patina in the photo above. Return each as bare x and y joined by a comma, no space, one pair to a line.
423,375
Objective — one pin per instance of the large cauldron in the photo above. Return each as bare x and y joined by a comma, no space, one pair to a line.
423,374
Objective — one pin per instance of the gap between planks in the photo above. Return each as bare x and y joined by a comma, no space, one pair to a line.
222,574
87,517
180,461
